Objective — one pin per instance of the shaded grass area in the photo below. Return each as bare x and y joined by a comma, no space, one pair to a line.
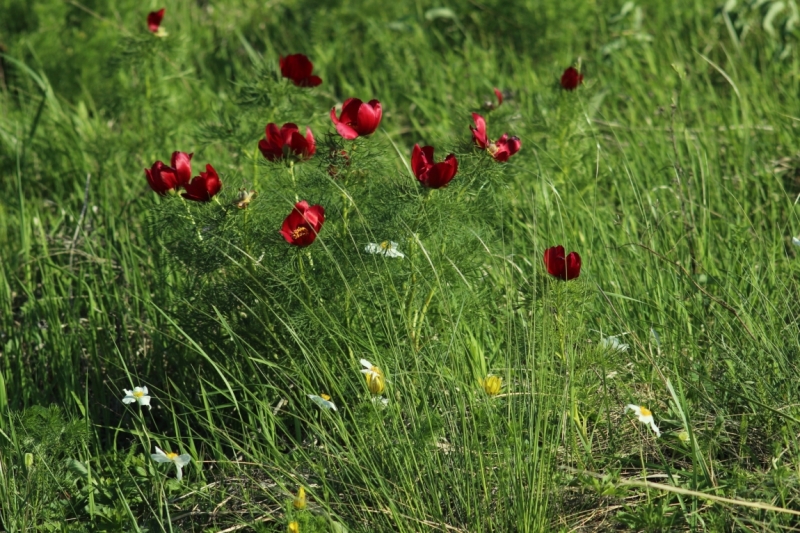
673,171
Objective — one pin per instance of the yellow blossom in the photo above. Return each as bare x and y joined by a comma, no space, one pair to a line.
300,500
492,385
294,527
376,383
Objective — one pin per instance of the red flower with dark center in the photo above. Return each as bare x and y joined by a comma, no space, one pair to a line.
300,228
501,149
163,178
297,67
154,19
357,118
561,267
571,79
203,187
287,142
430,174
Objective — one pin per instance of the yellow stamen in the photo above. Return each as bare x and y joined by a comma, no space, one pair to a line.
645,411
138,393
325,397
299,232
386,245
171,456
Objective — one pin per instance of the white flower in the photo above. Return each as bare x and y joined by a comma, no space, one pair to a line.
138,395
324,401
386,248
380,402
796,241
613,344
645,416
178,460
370,369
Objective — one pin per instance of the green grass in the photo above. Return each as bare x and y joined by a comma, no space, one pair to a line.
674,171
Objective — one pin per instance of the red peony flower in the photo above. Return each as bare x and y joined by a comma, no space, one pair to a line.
154,19
571,79
203,187
565,268
163,178
357,118
287,142
430,174
501,149
300,228
297,67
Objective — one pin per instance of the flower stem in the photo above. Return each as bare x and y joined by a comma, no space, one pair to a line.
189,212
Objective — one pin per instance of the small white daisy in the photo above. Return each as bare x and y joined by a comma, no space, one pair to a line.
386,248
796,241
380,402
178,460
324,401
138,395
645,416
614,344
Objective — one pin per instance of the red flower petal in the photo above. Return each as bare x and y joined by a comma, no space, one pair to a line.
499,96
203,187
571,78
182,163
573,266
154,19
342,127
479,131
565,268
301,226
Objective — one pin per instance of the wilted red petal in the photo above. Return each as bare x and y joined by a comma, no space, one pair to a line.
154,19
571,78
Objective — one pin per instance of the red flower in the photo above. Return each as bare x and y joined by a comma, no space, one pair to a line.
297,67
203,187
357,118
571,79
287,142
163,178
501,149
154,19
565,268
300,228
430,174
